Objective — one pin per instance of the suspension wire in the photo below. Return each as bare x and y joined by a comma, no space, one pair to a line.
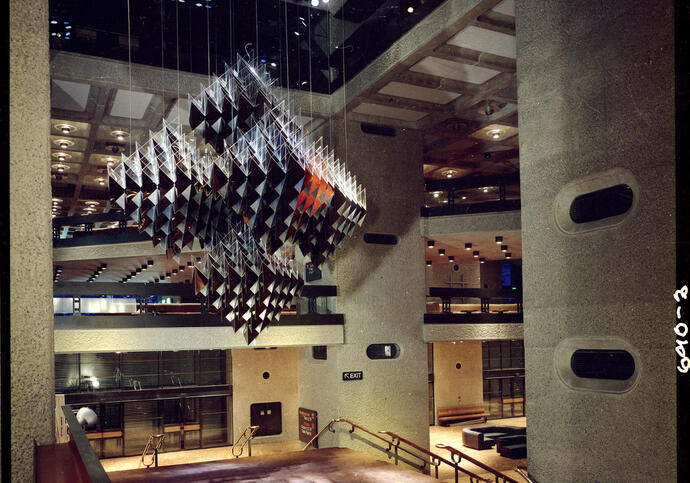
311,101
163,53
330,80
287,55
232,33
344,91
129,57
177,42
256,14
280,54
208,43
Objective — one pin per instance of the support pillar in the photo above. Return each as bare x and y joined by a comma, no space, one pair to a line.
31,289
596,93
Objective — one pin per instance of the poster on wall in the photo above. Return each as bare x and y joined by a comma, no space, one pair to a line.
308,425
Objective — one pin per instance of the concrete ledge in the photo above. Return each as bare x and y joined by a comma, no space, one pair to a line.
447,332
482,222
191,338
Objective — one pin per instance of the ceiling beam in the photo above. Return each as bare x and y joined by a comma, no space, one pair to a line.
435,82
475,57
497,22
404,103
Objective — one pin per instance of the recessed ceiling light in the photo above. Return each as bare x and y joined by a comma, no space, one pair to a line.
410,9
91,203
314,3
504,248
482,260
441,252
119,134
57,200
496,134
436,194
64,143
65,128
451,258
428,263
430,243
508,255
464,197
499,240
475,254
468,246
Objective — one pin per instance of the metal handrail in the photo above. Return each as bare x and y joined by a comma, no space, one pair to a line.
455,453
394,444
523,472
247,440
154,456
439,459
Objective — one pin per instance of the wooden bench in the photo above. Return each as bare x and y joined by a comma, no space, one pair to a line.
461,413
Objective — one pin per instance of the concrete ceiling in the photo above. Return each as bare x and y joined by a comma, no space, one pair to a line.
455,86
484,242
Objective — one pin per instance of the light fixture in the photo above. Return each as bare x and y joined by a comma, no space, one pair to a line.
174,272
189,263
430,243
314,3
451,258
428,263
475,254
499,240
468,246
144,267
91,203
436,194
167,275
101,181
181,268
504,248
464,197
60,168
64,143
441,252
138,270
110,162
65,128
198,259
149,262
61,156
119,134
57,200
495,134
410,9
482,260
508,254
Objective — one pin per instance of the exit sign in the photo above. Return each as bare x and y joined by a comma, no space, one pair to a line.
353,375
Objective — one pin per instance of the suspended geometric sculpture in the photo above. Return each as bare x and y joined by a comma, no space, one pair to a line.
257,186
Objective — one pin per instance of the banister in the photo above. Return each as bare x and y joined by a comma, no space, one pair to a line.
523,472
433,455
455,453
394,443
247,440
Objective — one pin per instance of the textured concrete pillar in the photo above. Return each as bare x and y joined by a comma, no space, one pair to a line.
596,92
31,289
381,293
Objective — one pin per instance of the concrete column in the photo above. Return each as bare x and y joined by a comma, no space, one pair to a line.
381,293
596,92
31,289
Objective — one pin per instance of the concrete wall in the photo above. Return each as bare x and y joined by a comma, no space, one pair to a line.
596,92
249,387
451,382
381,293
443,275
30,234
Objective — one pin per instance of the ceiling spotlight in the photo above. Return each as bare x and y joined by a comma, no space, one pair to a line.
65,128
189,263
475,254
101,181
410,9
61,157
174,271
430,243
436,194
468,246
504,248
119,134
110,162
482,260
91,203
508,255
64,143
464,197
485,190
495,134
198,259
167,275
314,3
499,240
428,263
181,268
149,262
441,252
451,258
157,280
57,200
144,267
60,168
138,270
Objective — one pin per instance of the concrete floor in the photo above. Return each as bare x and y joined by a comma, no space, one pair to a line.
452,436
449,435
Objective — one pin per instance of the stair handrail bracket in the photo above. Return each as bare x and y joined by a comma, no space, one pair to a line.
246,438
499,477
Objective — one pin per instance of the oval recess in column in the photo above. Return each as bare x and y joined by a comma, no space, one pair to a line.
380,239
600,201
383,351
597,364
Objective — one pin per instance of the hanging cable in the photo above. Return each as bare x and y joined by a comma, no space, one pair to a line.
129,57
287,55
311,101
208,43
177,40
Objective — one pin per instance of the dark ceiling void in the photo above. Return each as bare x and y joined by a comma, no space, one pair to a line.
301,44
